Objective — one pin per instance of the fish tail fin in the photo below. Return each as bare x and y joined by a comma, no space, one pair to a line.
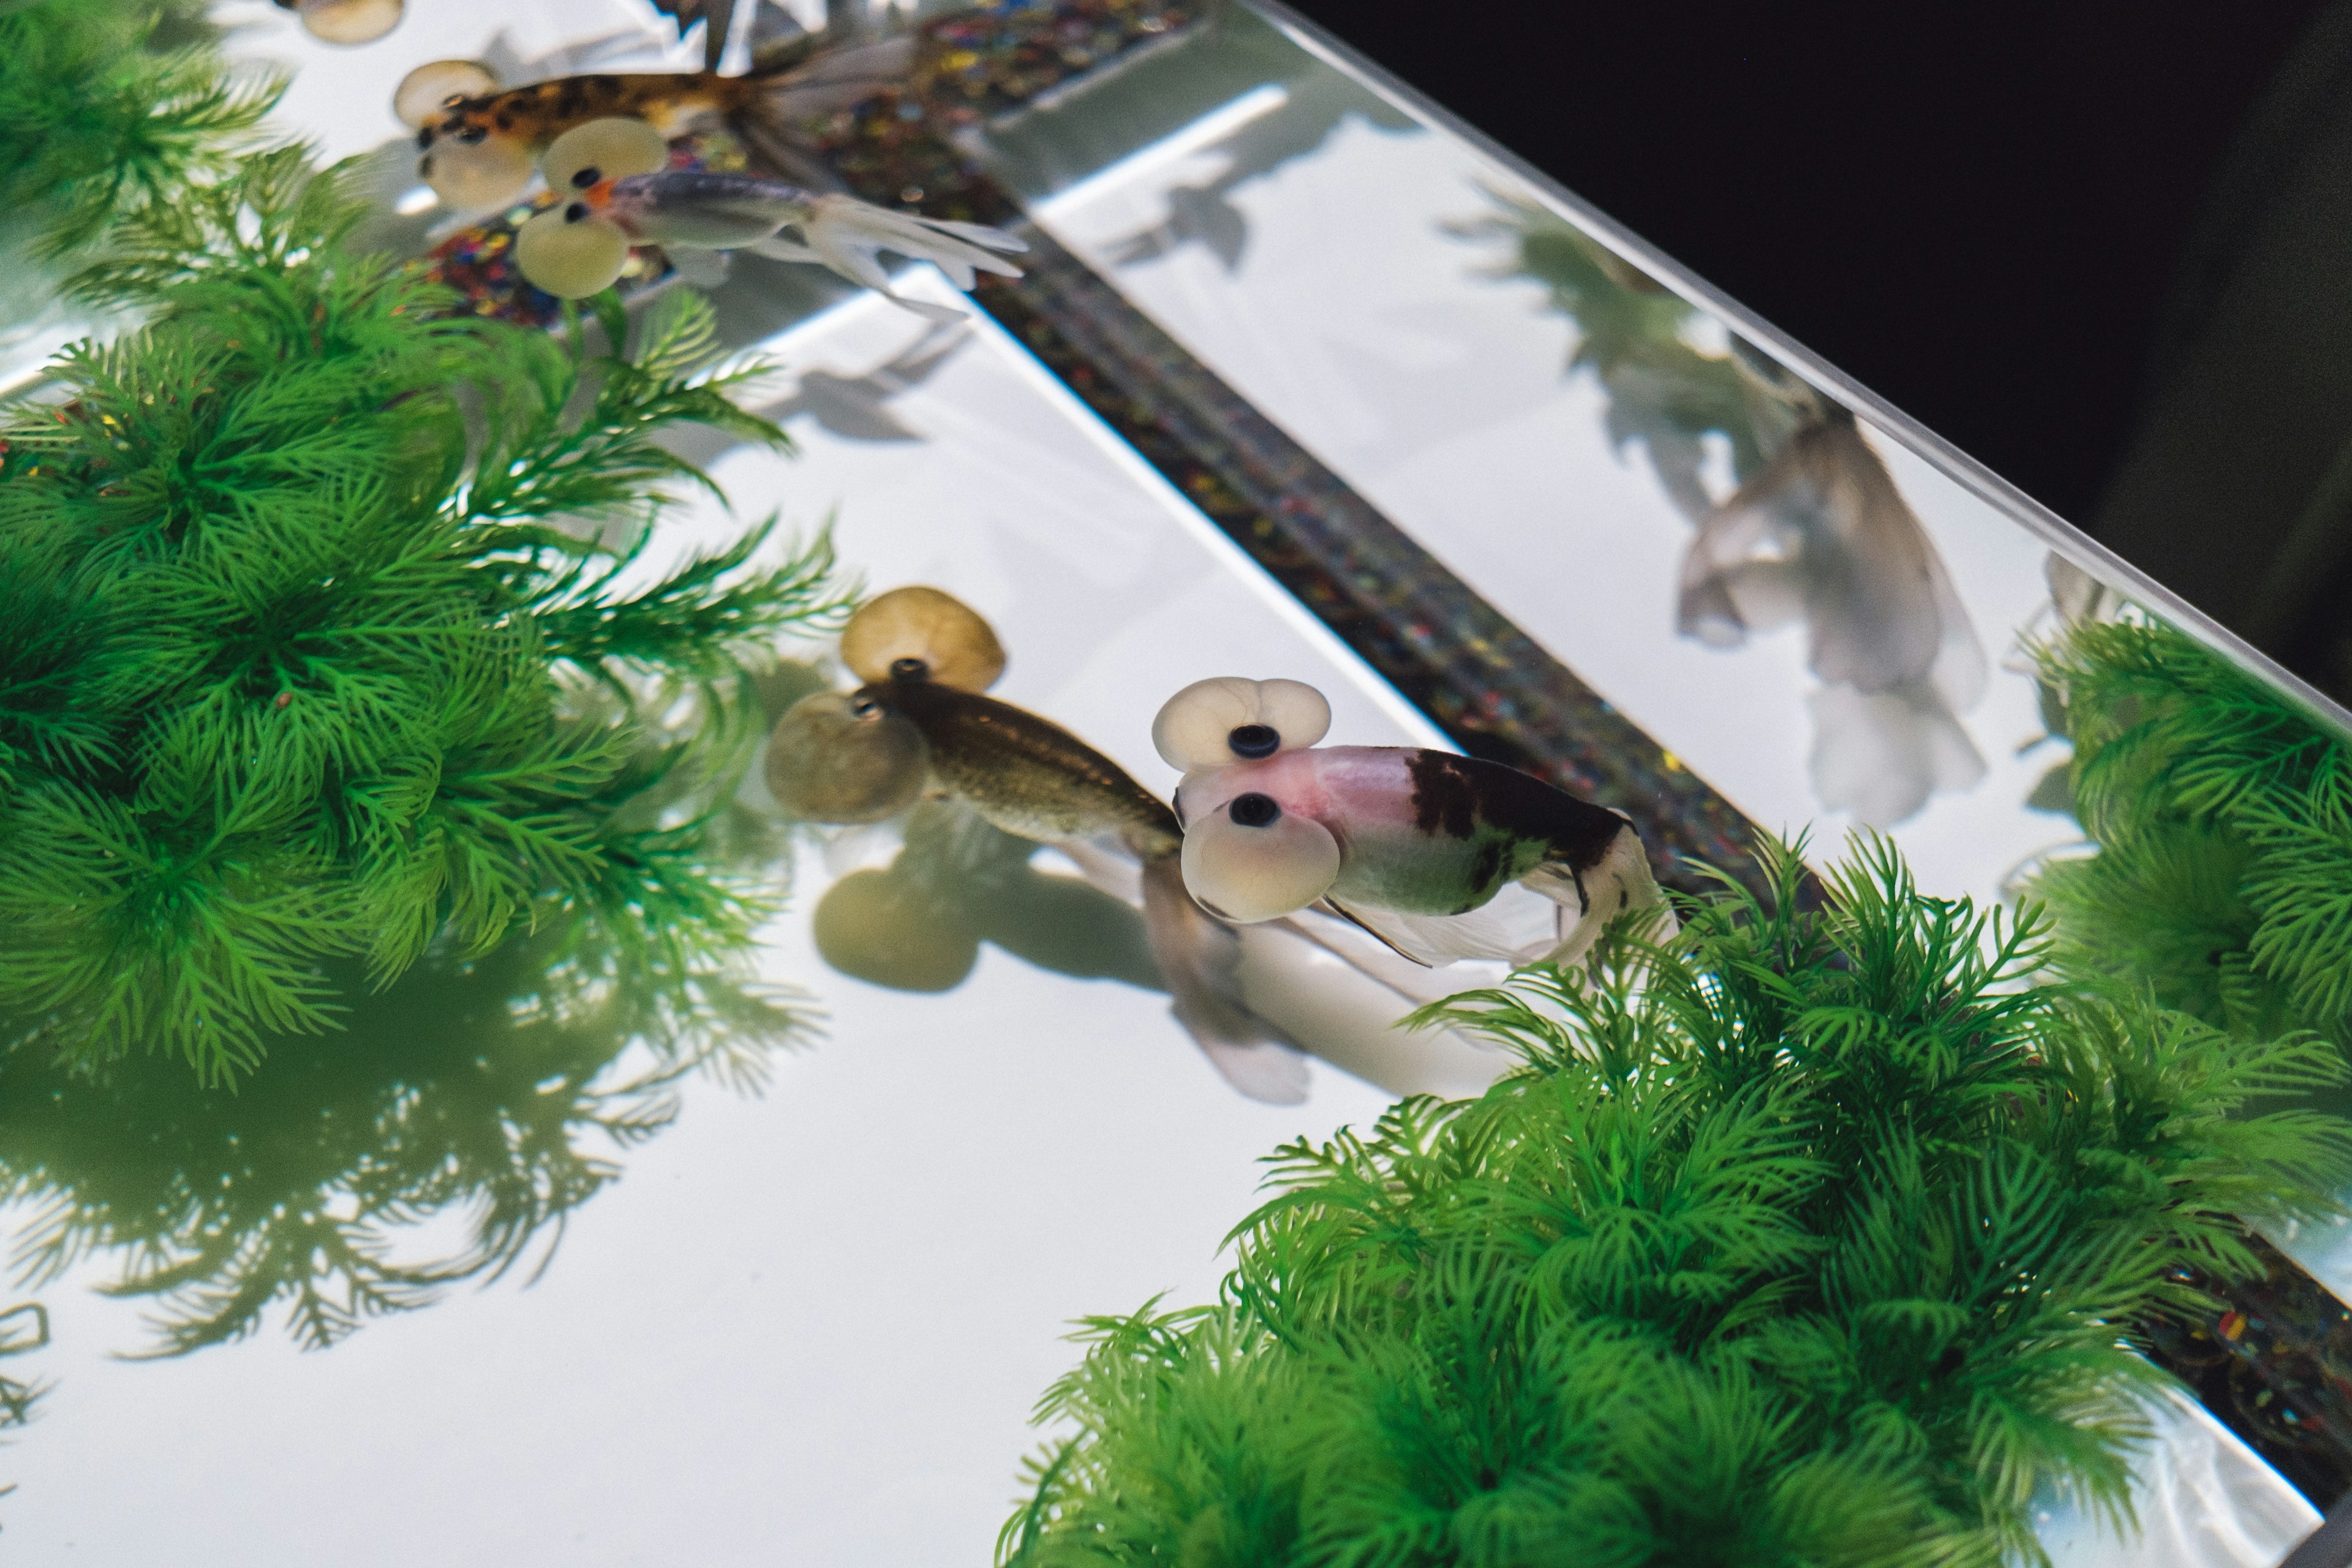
1200,960
1618,882
786,96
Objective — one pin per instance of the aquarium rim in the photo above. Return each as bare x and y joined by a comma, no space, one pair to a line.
2060,536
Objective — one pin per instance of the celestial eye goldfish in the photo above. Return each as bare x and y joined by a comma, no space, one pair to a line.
1402,842
479,144
624,194
921,725
345,21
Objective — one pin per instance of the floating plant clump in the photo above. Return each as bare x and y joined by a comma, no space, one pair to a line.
2223,820
1811,1238
107,106
320,638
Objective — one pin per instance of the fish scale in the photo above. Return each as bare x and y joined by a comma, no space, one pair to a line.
1025,774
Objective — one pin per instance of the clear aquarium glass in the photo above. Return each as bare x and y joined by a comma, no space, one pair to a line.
1307,380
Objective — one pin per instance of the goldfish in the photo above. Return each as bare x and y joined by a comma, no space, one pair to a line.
1408,844
479,143
625,194
921,726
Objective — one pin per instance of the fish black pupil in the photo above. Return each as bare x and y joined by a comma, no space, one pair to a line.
910,670
1254,810
864,707
585,178
1253,741
473,135
575,212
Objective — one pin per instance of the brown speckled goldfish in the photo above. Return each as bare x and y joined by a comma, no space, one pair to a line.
922,725
479,144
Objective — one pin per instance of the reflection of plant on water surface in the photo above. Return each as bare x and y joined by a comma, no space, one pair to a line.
493,1090
478,1084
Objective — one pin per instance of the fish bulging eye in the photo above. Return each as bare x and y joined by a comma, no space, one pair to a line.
437,85
347,21
922,633
470,177
1213,722
605,149
1254,810
1253,741
1258,871
569,258
575,212
474,135
844,759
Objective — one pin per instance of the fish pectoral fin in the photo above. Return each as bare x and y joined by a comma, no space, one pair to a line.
1333,907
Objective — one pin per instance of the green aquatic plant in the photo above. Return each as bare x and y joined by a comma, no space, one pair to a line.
110,106
2223,816
307,590
446,1135
1811,1238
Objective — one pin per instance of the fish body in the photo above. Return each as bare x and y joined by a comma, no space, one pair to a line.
700,208
1424,840
478,151
1033,779
1025,774
710,210
531,117
1420,832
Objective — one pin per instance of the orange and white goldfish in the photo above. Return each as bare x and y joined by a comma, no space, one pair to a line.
624,194
479,144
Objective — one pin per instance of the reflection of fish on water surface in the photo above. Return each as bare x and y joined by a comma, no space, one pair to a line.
1816,531
1820,534
922,725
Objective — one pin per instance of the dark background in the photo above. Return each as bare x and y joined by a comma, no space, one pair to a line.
1975,209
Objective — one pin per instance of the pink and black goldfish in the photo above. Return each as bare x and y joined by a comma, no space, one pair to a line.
922,726
624,194
477,145
1410,845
